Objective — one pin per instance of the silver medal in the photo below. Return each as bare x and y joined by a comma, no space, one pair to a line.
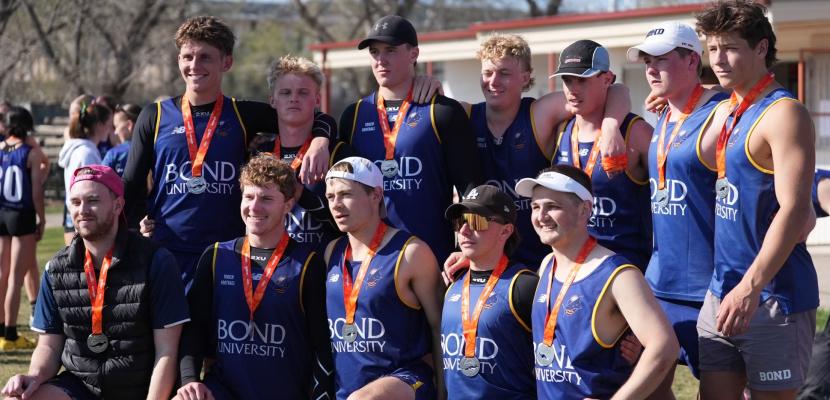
662,197
469,366
544,355
722,188
389,168
196,185
349,333
97,343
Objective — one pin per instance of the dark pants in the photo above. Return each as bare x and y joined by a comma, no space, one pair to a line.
817,385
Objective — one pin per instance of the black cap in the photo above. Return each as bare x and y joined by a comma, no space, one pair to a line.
487,201
584,58
391,29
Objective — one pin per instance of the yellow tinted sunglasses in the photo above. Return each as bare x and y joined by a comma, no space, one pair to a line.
474,221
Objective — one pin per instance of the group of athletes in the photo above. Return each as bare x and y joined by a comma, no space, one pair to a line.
592,251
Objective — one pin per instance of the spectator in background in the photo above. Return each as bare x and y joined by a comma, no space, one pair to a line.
87,128
112,139
21,218
124,120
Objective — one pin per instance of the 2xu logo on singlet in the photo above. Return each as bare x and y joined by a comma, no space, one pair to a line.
407,176
677,197
725,208
560,371
221,177
370,336
250,338
453,344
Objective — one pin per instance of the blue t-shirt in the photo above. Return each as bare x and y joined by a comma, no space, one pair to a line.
168,303
116,157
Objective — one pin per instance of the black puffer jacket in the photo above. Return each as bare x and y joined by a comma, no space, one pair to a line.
122,371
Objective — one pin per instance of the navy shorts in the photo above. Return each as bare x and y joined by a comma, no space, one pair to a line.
72,386
419,376
683,317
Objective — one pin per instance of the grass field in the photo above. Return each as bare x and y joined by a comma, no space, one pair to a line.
685,385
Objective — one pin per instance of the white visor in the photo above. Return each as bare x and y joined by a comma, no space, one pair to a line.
553,181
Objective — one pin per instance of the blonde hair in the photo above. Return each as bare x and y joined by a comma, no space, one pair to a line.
294,65
499,45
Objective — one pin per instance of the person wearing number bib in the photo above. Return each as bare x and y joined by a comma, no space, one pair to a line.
587,298
485,325
682,176
193,145
258,304
621,219
757,323
423,150
383,294
21,218
111,306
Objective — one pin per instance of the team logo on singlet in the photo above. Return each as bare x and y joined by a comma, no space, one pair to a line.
492,299
220,177
179,130
373,277
333,278
573,305
583,152
454,298
413,119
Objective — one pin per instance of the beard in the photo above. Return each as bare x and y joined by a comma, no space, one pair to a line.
99,229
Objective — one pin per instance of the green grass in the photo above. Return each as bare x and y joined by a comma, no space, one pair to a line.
16,362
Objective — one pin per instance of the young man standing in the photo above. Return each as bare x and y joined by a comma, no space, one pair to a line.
383,294
258,303
516,136
757,323
295,93
485,326
622,219
584,288
681,163
423,149
193,145
110,307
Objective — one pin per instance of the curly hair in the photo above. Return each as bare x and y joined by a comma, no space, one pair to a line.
499,45
294,65
745,17
265,169
206,29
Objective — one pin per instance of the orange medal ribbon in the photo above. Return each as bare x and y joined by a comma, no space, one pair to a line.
197,157
592,158
471,324
298,159
663,151
553,313
253,298
723,138
96,288
350,290
390,136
